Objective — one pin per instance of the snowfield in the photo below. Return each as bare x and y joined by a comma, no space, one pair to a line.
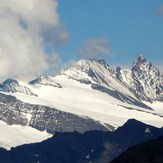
15,135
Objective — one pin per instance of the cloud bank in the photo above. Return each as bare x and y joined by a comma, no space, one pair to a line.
27,28
94,48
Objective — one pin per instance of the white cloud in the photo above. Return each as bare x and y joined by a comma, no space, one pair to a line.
94,48
26,27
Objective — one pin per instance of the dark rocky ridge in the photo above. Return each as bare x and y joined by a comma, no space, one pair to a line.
92,146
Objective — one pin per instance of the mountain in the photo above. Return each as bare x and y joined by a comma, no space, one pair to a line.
148,152
89,71
88,95
92,146
143,79
101,77
91,88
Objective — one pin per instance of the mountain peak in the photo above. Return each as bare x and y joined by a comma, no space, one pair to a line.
90,62
141,58
141,64
46,81
147,79
43,77
88,71
14,86
10,81
140,61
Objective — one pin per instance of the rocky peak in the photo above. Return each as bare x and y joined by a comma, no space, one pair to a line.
141,59
14,86
86,64
141,65
45,80
144,80
41,79
11,81
88,69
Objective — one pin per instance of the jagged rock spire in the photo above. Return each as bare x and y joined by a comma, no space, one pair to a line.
141,60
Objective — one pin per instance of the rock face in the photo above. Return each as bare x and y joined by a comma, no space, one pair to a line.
45,80
43,118
13,86
92,146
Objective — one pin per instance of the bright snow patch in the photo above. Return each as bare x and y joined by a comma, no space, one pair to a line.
15,135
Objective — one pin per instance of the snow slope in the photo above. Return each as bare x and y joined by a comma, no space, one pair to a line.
81,99
15,135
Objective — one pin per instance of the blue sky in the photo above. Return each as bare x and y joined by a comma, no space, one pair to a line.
131,27
43,36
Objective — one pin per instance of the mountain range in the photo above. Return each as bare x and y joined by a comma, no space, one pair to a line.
88,95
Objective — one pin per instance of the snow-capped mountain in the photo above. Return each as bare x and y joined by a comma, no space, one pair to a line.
90,71
101,77
143,79
89,90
